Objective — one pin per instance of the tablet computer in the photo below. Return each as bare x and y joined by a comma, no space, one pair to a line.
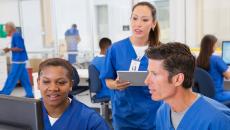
136,78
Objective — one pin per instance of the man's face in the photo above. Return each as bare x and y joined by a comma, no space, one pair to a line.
157,81
8,29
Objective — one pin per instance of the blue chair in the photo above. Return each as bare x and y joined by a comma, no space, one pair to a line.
94,87
204,84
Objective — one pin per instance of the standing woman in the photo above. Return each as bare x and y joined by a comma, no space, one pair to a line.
132,107
215,66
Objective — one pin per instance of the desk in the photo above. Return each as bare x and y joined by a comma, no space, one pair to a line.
226,84
83,75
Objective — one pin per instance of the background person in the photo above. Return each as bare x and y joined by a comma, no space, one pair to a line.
18,67
214,65
72,38
99,61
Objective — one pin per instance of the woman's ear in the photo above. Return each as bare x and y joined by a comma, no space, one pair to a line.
154,25
38,82
71,85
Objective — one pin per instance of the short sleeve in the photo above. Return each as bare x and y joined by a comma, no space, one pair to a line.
17,41
108,70
221,65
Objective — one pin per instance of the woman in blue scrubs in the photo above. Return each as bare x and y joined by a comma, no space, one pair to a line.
132,107
61,112
215,66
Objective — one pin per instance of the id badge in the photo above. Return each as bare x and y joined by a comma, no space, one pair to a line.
134,66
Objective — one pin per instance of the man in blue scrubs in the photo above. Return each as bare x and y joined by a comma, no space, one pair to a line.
98,62
18,66
61,112
72,38
171,67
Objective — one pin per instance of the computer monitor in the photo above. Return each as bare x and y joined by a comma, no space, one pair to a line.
226,52
19,113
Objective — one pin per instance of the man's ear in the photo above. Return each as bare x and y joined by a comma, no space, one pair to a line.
178,79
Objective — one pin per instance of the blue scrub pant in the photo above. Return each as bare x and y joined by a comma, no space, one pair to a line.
72,58
18,72
223,96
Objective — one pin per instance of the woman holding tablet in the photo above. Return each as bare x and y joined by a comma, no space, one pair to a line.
61,112
132,107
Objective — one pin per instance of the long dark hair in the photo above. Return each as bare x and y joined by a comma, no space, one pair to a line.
206,50
154,35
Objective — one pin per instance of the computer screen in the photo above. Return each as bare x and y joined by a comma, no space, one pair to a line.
226,52
21,113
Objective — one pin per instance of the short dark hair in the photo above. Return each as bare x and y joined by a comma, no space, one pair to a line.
177,58
56,62
74,25
104,43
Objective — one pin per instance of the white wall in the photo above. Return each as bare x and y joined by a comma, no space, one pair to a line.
118,15
83,14
26,14
74,11
9,11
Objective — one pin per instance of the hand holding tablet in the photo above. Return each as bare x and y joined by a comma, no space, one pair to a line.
136,78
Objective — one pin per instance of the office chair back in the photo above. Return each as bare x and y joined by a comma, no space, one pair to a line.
94,87
75,77
76,89
203,83
94,80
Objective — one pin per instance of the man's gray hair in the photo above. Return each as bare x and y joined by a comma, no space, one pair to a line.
11,24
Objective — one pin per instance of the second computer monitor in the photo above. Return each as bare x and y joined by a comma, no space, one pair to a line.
226,52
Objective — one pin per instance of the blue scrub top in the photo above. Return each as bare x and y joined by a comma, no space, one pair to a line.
204,114
132,107
217,68
17,41
71,35
98,62
77,116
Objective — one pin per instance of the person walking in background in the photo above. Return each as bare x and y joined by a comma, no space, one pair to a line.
214,65
18,67
72,38
99,61
132,107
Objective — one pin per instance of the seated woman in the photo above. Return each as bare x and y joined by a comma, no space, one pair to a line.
61,112
214,65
